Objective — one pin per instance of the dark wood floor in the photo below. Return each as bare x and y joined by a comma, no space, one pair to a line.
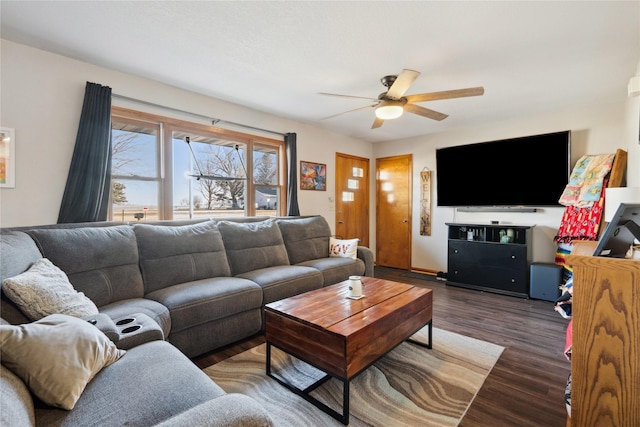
526,386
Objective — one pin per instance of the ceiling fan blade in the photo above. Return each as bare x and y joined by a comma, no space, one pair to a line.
425,112
377,123
447,94
350,111
402,83
347,96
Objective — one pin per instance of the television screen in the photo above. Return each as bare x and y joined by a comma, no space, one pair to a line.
527,171
621,232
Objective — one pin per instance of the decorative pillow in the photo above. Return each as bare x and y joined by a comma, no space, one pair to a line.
45,289
343,248
56,356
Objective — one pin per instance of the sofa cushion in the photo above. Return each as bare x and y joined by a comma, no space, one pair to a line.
44,289
284,281
201,301
252,246
177,254
343,248
203,338
56,356
16,404
233,409
17,252
306,238
101,262
149,384
336,269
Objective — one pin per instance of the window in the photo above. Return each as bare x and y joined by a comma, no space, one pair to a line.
173,169
265,179
135,170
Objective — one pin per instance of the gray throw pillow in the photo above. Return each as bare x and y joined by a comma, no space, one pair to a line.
252,246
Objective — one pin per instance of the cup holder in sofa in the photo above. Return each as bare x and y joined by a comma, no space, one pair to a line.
137,329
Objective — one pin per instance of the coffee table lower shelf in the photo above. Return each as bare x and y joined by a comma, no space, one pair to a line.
306,392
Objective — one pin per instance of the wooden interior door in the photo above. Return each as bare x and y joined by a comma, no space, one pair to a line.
393,211
352,198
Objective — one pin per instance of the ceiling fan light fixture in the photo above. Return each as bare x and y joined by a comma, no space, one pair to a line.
388,110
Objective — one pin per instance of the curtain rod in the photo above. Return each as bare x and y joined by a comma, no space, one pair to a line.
214,121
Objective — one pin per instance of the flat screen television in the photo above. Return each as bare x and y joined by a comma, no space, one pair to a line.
621,232
529,171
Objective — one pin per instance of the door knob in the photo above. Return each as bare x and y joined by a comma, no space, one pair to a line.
340,221
404,220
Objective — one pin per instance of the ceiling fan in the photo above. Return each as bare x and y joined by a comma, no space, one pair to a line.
392,103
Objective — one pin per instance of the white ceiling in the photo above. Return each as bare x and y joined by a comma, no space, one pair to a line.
276,56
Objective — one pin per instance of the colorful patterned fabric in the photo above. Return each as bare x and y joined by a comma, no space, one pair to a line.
563,250
587,180
578,223
581,223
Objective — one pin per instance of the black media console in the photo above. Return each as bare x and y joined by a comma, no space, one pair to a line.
481,257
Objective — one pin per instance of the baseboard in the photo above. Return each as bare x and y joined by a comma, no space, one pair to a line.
423,271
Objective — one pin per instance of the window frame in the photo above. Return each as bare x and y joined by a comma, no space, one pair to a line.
169,125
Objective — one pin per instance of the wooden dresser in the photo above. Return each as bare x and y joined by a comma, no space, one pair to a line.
605,361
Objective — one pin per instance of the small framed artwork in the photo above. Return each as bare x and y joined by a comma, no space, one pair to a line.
313,176
7,157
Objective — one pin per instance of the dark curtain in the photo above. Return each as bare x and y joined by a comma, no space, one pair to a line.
292,174
86,195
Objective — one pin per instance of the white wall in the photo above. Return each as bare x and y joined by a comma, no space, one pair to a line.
595,129
42,97
632,129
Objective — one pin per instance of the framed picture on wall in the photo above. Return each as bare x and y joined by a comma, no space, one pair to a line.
313,176
7,157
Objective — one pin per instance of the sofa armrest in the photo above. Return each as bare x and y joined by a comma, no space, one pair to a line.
136,329
366,255
105,324
230,410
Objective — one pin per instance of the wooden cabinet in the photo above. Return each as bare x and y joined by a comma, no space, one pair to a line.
478,259
605,360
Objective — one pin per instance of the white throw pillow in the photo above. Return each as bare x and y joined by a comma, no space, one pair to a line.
56,356
343,248
44,289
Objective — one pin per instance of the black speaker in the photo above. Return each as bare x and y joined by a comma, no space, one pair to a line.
545,281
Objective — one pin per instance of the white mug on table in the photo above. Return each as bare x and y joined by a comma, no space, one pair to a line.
355,286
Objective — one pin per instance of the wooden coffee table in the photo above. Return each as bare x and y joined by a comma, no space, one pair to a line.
343,336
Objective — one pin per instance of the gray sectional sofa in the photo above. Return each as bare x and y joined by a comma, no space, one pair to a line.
191,285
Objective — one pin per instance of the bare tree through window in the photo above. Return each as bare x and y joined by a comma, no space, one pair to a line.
221,161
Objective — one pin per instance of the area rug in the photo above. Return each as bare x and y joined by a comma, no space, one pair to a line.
410,386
